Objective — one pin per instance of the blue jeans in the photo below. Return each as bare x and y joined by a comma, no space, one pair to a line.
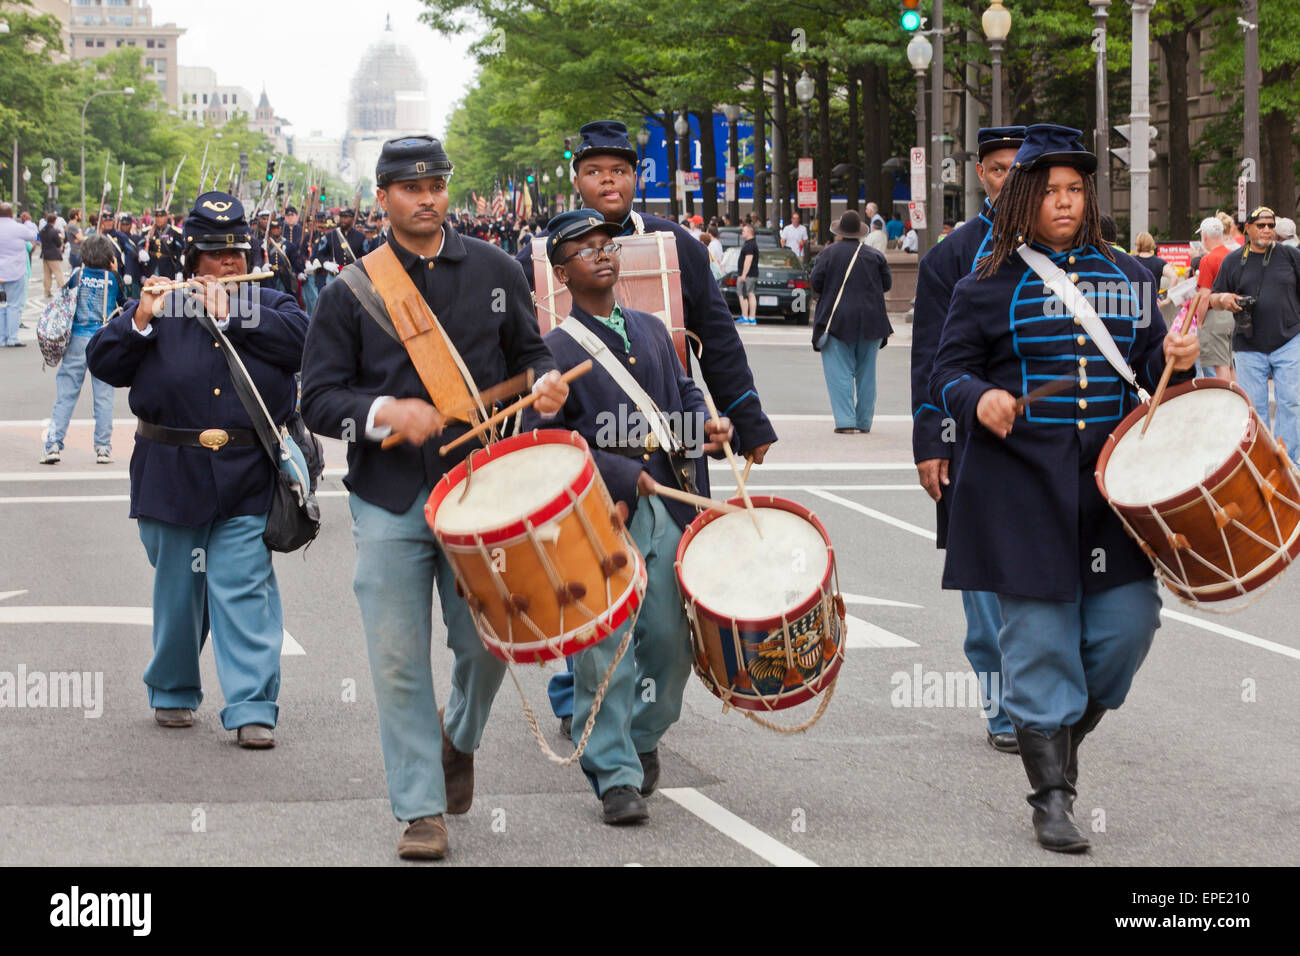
1283,365
1057,655
851,370
399,564
644,697
983,622
219,572
70,377
11,313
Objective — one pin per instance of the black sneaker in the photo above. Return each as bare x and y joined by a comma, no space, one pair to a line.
623,805
649,771
566,727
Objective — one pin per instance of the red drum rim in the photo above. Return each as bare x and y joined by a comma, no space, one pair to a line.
548,512
1220,474
536,652
760,501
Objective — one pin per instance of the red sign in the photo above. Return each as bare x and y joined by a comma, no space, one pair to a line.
1177,254
807,193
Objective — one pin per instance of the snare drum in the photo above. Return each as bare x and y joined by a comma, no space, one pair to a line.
766,628
1207,493
539,553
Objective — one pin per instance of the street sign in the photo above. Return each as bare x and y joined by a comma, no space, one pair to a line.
918,173
730,193
916,210
1241,199
805,168
807,193
692,182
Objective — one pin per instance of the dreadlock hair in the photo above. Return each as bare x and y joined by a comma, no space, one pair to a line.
1016,212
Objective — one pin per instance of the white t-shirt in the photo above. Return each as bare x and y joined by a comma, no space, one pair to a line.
911,242
877,240
715,250
794,237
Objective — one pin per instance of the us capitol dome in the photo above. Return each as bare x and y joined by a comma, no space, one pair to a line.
387,98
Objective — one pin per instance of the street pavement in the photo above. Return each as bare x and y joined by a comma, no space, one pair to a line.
1199,767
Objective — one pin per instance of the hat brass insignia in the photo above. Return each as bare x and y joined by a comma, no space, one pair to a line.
216,206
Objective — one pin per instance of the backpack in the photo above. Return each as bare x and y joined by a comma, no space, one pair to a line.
54,328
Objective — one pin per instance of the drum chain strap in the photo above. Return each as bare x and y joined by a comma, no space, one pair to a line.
596,701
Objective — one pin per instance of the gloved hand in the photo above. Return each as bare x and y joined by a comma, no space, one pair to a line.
302,277
144,256
128,279
310,268
332,268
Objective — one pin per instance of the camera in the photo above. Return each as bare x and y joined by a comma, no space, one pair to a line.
1245,324
1247,302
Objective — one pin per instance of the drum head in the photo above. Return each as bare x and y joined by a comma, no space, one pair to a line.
510,487
1190,437
728,569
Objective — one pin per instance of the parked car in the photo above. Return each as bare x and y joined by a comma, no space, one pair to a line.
783,286
729,236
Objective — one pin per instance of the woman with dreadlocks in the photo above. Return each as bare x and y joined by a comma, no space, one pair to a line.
1078,598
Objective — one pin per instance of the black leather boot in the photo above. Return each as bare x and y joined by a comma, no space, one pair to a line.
1045,759
1092,715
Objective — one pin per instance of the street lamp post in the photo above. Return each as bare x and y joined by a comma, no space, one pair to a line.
129,91
682,127
934,217
732,112
997,24
1249,24
642,140
919,52
1101,145
1140,120
803,92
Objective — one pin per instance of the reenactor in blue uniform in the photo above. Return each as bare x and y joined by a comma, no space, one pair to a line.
1078,598
360,385
622,755
163,250
604,165
200,482
936,441
313,277
129,266
340,246
281,259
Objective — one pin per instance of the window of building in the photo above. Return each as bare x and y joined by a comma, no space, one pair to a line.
99,43
162,44
89,42
234,97
223,99
205,99
119,41
149,44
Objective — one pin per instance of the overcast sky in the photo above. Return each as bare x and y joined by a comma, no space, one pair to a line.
306,53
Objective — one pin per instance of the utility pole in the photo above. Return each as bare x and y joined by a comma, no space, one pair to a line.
1140,122
971,186
1101,144
935,216
1249,22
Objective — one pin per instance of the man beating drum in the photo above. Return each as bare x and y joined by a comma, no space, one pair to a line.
362,381
638,374
1078,601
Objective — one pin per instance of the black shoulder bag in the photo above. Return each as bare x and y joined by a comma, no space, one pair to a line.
294,520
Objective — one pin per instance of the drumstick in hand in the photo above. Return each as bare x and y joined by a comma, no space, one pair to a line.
749,463
527,400
698,500
735,468
1164,379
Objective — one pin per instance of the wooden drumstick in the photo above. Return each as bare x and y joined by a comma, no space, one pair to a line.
735,468
698,500
749,463
527,400
1164,379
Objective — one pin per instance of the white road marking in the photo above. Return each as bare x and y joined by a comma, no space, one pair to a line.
824,466
54,474
830,418
726,822
8,594
62,499
883,602
873,513
1234,634
44,422
96,614
865,634
764,488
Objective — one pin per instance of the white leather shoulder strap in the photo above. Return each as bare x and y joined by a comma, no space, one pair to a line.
624,380
638,223
1077,303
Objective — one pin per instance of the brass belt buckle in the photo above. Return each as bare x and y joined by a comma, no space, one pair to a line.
213,438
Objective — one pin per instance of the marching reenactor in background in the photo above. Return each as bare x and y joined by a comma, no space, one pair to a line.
936,441
129,264
281,259
292,228
164,247
313,245
201,483
260,229
1078,598
341,246
360,384
604,167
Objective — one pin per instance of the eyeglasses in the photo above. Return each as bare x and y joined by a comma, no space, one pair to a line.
607,251
1264,225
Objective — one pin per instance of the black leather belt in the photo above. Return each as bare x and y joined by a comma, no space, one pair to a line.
210,438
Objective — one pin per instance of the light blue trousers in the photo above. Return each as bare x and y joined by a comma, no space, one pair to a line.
1056,655
11,313
219,572
309,295
644,697
71,376
399,564
983,622
1254,369
850,372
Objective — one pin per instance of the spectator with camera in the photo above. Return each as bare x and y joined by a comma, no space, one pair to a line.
1260,285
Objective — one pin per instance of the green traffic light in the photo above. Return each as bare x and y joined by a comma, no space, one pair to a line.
568,154
910,21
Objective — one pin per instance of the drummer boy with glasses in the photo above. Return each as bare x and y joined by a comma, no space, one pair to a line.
644,697
1079,604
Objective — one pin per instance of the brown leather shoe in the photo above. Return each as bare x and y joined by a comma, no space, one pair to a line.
174,716
457,773
424,839
256,737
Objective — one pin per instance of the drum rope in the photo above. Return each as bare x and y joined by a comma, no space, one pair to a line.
531,717
797,728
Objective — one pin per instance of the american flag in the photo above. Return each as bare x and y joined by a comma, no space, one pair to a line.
480,204
499,203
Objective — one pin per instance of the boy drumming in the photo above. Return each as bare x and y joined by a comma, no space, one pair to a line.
645,694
